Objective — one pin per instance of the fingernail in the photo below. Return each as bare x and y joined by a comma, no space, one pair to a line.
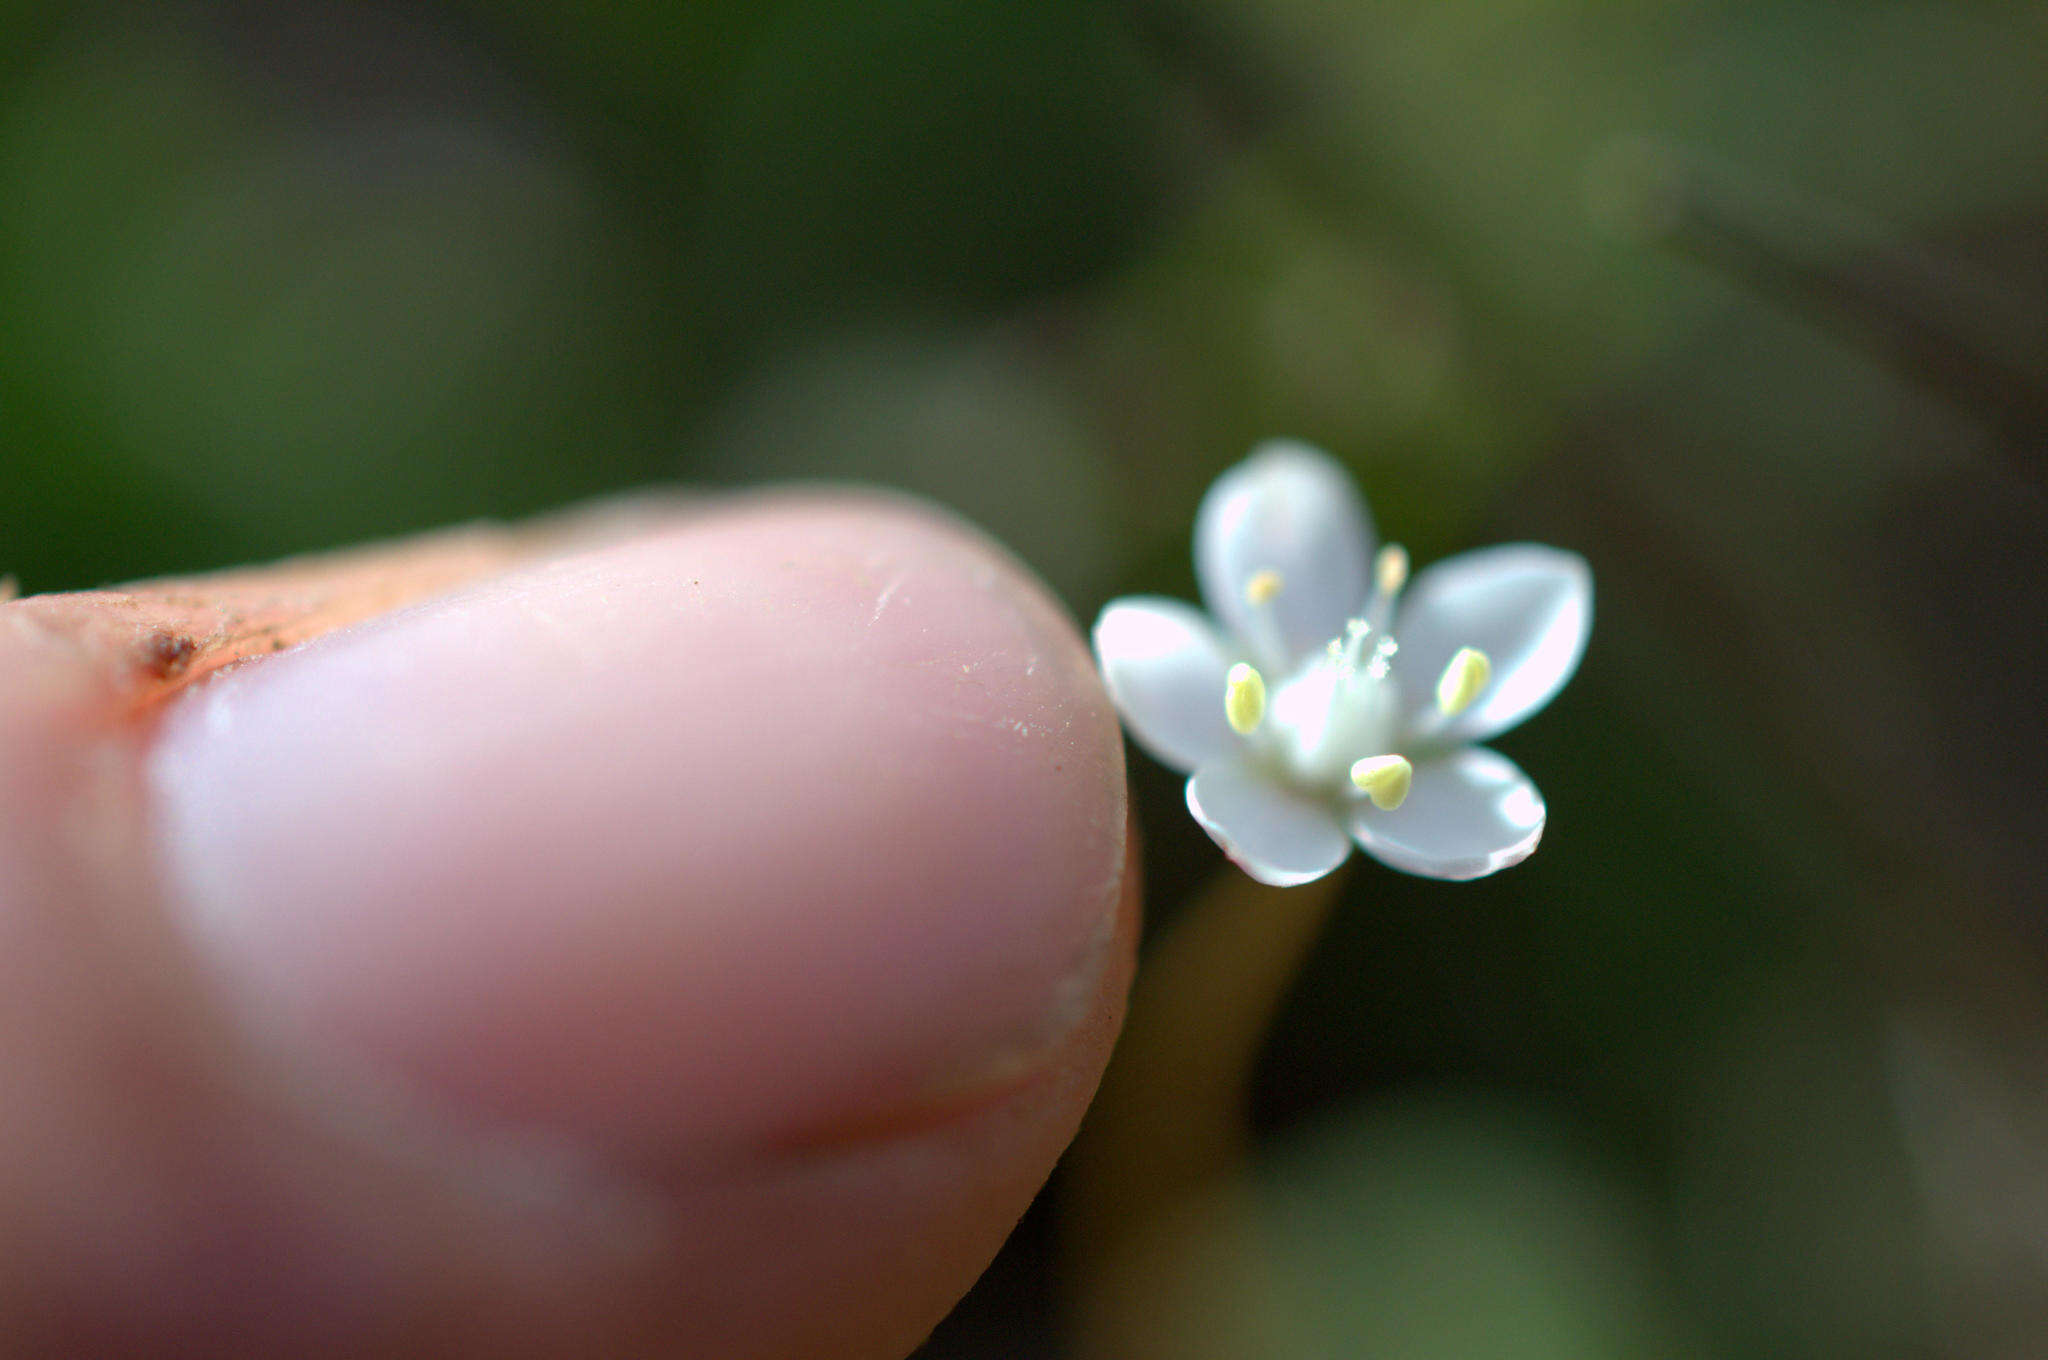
795,814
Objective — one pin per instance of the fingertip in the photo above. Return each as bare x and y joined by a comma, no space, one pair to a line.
800,812
702,944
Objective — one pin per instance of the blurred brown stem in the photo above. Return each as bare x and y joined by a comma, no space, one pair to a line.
1171,1118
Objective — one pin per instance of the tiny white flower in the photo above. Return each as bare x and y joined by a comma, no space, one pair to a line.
1333,700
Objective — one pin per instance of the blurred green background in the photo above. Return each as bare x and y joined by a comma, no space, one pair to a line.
1748,302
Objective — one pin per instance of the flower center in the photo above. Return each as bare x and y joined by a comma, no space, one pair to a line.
1342,707
1334,724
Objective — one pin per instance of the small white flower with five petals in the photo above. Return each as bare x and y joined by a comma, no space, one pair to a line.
1331,699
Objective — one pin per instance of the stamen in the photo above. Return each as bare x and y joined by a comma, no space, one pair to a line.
1390,569
1384,779
1262,629
1462,681
1244,699
1389,574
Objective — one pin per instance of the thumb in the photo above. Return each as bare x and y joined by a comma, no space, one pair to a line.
702,942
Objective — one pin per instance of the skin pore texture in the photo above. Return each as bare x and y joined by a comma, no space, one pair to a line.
685,930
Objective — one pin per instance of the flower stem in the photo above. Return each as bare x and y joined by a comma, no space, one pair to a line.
1172,1116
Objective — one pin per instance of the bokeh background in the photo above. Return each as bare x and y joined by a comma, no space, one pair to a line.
1747,302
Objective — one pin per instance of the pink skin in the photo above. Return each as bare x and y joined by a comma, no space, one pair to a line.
700,944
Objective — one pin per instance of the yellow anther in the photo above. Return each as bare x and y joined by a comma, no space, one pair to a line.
1462,681
1264,585
1244,699
1384,779
1390,569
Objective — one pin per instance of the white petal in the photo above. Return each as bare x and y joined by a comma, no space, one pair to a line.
1527,607
1466,815
1274,834
1288,508
1164,665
